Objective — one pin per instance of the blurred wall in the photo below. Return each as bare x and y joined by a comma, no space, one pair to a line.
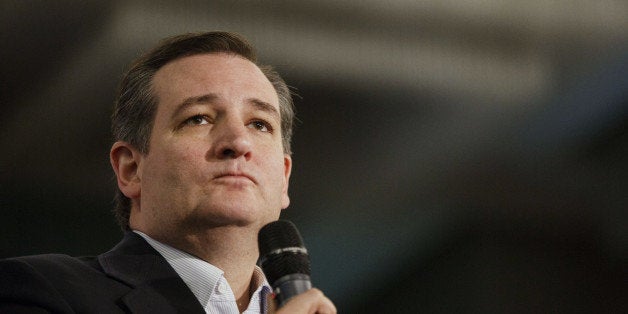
451,156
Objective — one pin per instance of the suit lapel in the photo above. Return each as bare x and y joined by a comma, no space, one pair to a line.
155,286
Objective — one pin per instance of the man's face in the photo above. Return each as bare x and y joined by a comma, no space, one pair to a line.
215,154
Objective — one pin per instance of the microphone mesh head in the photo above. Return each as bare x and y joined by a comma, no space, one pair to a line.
277,262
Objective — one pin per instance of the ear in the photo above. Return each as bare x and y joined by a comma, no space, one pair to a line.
287,162
125,160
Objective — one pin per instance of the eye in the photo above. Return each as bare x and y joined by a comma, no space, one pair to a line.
197,120
260,126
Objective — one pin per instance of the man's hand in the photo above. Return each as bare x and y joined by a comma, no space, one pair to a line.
312,301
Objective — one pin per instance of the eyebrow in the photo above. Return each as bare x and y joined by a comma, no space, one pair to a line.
208,98
190,101
266,107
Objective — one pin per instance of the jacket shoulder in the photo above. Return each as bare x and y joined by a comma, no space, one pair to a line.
24,282
55,282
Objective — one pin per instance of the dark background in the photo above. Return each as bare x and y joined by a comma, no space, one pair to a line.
452,156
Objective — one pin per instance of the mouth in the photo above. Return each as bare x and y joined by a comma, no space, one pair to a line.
235,176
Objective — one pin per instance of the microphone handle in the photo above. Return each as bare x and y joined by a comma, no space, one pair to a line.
291,285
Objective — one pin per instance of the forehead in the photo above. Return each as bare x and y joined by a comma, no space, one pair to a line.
229,76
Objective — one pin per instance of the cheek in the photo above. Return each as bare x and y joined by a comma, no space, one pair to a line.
190,161
275,172
178,165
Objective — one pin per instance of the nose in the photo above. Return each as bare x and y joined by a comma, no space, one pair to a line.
232,140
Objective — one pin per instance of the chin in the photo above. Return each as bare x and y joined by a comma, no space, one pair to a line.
227,215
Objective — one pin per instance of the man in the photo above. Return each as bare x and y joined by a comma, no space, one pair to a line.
202,160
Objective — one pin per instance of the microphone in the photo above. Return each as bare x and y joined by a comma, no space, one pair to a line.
284,260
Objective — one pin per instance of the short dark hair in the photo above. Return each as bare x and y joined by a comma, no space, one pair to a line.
135,105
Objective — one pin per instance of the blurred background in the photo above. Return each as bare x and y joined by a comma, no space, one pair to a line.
451,156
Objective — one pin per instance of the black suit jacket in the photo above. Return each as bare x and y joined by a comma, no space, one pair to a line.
130,278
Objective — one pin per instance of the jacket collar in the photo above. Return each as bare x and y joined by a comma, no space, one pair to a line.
156,287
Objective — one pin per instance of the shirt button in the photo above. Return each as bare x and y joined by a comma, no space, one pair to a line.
222,288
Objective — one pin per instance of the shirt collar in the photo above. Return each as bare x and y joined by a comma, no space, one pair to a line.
205,280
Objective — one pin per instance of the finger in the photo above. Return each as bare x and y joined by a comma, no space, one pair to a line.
312,301
271,303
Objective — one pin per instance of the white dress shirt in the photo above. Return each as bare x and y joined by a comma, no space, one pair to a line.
208,282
